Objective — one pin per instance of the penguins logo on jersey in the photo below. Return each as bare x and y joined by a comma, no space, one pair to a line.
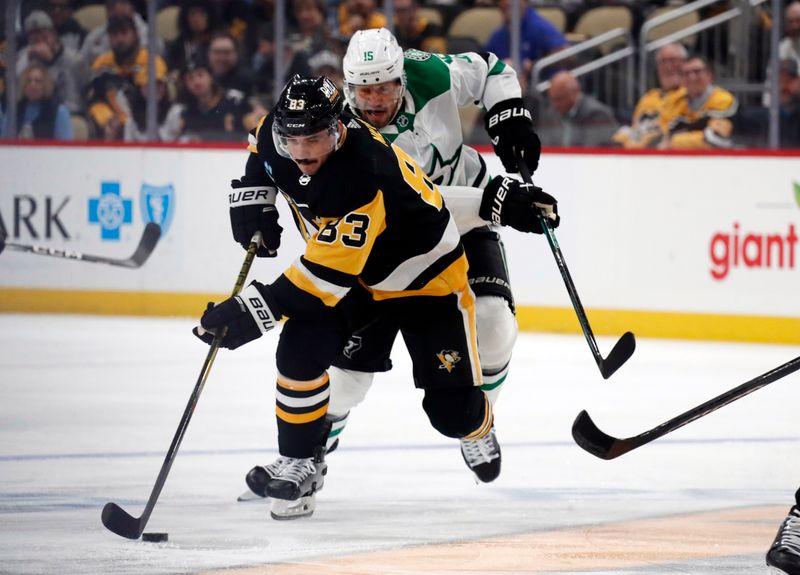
352,346
449,359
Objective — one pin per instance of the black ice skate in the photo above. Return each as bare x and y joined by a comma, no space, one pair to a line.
784,555
258,477
293,489
482,456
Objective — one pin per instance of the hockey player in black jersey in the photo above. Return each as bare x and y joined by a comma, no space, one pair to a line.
380,245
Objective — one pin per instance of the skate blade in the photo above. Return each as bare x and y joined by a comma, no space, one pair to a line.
283,510
248,496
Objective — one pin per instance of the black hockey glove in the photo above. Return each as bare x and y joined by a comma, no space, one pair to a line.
509,202
510,128
252,209
247,316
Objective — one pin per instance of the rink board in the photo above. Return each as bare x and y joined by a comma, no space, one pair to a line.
669,246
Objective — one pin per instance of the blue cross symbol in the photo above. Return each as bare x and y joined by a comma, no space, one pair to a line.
110,210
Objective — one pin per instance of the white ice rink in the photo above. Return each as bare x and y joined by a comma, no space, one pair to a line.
89,405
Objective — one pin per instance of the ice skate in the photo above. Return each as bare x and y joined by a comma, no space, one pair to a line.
293,488
258,477
784,556
482,456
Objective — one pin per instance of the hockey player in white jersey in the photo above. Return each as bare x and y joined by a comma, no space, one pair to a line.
413,98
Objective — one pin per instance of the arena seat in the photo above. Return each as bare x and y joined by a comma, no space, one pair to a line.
477,23
673,26
596,21
167,23
91,16
555,15
432,15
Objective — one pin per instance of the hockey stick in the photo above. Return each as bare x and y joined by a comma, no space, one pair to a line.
604,446
624,348
114,517
150,236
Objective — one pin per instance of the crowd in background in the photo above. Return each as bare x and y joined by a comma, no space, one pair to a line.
214,79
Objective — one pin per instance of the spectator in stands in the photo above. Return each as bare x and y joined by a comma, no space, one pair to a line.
699,114
538,38
312,34
263,65
789,91
327,63
414,31
195,25
223,61
574,118
357,15
62,63
210,113
789,47
69,31
169,115
40,115
118,71
233,16
645,129
97,41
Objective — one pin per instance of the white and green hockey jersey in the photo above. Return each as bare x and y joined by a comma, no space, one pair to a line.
428,126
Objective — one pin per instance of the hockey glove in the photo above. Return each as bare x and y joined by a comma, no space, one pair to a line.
246,316
509,202
252,209
510,128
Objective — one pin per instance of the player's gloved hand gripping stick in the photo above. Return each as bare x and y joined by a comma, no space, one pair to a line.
626,345
114,517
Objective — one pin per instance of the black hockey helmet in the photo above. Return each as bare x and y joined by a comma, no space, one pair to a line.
307,106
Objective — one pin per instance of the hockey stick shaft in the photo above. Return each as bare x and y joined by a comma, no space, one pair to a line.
592,439
148,241
626,345
114,517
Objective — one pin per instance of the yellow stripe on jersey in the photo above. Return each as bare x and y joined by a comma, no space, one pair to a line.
452,278
303,279
299,219
252,139
344,244
466,303
301,417
486,424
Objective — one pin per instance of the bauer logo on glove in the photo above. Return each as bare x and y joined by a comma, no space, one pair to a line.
509,202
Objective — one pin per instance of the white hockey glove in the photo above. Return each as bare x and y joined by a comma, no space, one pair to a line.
252,209
247,316
509,202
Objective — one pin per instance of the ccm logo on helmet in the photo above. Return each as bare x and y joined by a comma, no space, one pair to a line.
510,113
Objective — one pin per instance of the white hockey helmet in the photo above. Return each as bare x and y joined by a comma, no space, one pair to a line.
373,57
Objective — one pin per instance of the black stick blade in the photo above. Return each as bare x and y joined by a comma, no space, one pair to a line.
118,521
622,352
150,237
587,435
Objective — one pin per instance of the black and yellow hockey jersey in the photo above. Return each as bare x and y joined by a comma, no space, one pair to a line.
703,124
369,215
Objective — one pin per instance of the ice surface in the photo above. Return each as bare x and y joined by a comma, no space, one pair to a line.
89,405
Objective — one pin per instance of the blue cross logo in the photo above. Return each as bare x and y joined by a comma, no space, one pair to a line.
110,210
